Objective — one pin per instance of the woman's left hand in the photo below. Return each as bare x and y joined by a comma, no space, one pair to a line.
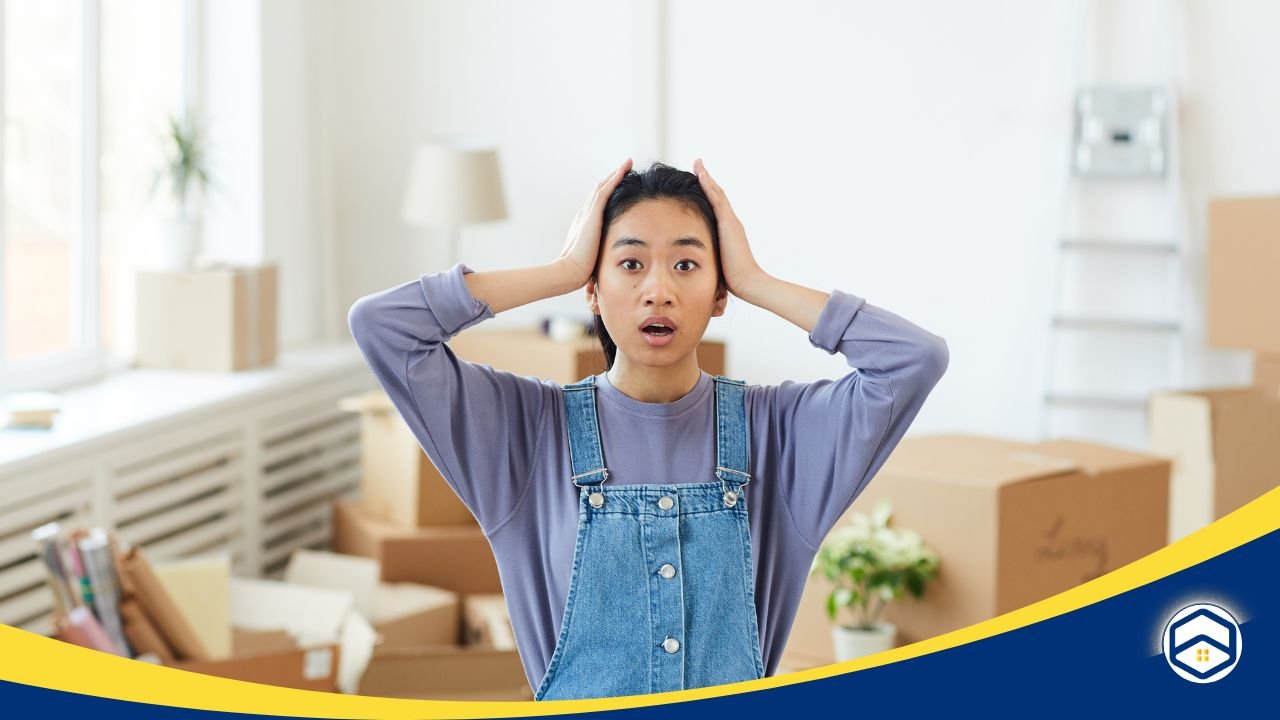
736,261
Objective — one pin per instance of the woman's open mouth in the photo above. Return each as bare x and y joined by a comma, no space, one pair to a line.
658,334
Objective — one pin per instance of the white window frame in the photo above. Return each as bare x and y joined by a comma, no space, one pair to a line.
88,362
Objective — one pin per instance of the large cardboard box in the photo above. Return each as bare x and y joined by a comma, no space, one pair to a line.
1012,523
446,672
529,352
274,658
398,481
1243,260
457,558
1225,447
292,635
219,319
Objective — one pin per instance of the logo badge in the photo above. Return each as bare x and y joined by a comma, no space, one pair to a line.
1202,643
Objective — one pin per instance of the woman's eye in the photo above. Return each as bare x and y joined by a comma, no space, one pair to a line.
636,261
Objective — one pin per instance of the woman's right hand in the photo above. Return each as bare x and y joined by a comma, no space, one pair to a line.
582,246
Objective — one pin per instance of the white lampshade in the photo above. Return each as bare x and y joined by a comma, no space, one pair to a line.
453,184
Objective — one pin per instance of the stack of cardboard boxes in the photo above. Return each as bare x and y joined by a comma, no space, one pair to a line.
1225,442
411,529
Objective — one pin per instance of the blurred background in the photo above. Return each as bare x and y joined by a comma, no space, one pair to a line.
1033,182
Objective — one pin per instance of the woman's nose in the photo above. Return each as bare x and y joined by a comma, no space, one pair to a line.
658,289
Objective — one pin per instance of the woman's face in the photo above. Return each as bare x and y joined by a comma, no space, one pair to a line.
656,260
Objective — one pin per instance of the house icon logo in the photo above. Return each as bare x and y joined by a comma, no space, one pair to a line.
1202,643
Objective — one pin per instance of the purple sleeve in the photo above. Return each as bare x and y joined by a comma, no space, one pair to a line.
479,426
833,435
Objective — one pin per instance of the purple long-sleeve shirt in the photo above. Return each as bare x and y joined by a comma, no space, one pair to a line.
500,441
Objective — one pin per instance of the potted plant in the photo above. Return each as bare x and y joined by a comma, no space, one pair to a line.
184,173
871,565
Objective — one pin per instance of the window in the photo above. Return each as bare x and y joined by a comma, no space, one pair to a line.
85,91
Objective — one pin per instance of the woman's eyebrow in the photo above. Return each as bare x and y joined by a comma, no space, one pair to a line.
688,240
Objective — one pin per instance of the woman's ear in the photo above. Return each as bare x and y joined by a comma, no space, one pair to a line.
722,299
593,301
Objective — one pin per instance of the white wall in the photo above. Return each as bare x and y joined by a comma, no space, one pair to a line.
291,170
890,152
911,153
553,83
231,101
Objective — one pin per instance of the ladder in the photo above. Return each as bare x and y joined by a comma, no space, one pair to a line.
1124,151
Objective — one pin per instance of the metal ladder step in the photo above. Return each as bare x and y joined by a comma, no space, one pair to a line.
1113,402
1132,247
1116,324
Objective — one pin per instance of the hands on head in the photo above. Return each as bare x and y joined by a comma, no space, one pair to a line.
582,245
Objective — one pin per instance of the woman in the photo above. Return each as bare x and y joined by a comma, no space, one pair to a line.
617,506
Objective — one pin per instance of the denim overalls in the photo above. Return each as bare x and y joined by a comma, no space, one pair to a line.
661,596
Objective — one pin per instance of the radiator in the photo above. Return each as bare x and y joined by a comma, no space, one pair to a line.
254,481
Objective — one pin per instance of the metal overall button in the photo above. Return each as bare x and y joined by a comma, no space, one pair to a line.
671,645
665,502
730,498
596,499
667,571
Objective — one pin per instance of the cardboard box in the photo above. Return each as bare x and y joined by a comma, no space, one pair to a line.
398,481
1266,374
311,616
457,558
485,621
403,614
1243,258
529,352
216,320
1012,523
1225,447
446,672
274,658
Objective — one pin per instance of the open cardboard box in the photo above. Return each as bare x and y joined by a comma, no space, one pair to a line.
418,654
1012,523
403,614
273,657
291,635
312,616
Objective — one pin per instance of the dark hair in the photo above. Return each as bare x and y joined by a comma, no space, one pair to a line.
656,183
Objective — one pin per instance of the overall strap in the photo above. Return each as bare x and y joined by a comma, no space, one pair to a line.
732,441
585,451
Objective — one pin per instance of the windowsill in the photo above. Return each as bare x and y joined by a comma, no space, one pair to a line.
134,399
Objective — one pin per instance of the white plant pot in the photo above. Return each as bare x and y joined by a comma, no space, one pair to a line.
852,642
177,244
